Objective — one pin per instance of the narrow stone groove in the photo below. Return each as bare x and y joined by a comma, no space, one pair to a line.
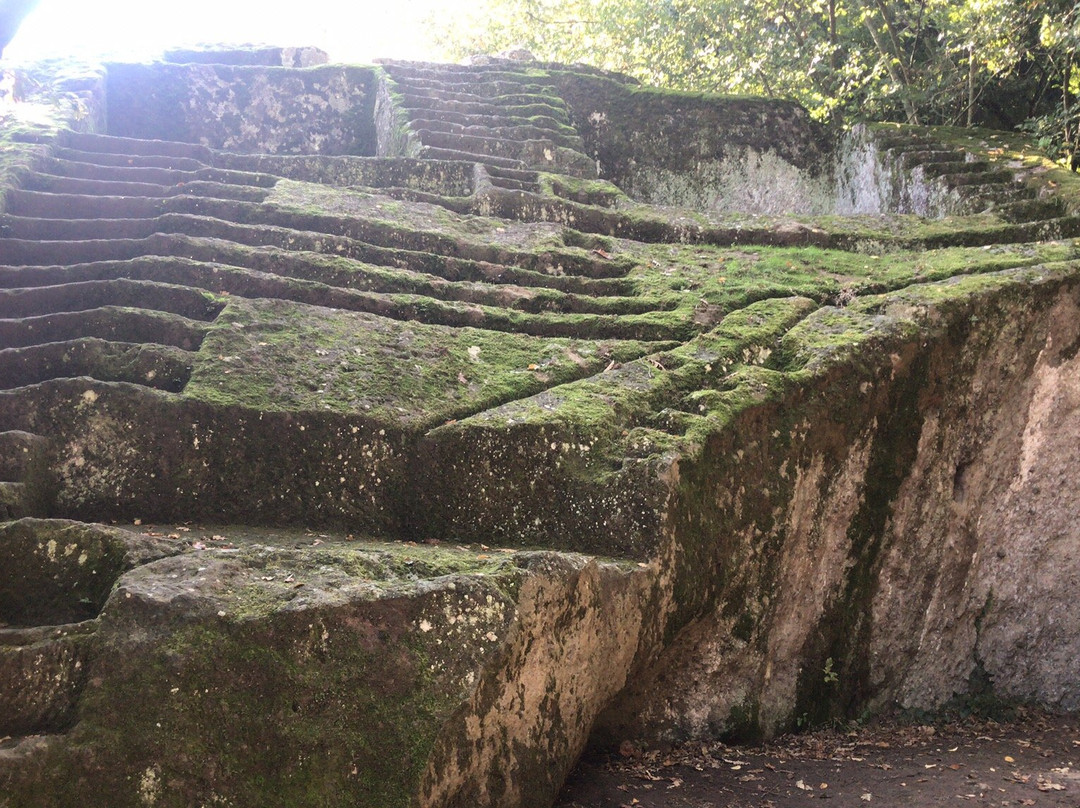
157,366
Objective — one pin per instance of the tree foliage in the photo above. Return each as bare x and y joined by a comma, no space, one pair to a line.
962,62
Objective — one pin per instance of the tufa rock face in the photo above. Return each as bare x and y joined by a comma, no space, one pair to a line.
244,107
344,674
442,451
805,576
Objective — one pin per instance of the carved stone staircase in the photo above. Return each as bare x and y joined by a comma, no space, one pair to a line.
498,115
973,185
122,261
57,576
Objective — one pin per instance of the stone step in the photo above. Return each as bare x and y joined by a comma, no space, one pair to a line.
82,296
500,70
219,218
513,174
374,241
313,290
80,206
128,160
435,153
303,263
30,228
479,84
157,366
1031,210
17,751
525,150
19,451
910,159
605,196
240,283
42,673
955,168
520,132
105,322
905,142
126,146
554,315
15,502
996,192
37,252
1011,233
516,185
568,161
53,184
464,96
304,278
428,106
493,92
495,68
544,122
49,183
992,177
155,176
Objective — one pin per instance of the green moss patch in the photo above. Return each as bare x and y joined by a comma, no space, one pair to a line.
280,356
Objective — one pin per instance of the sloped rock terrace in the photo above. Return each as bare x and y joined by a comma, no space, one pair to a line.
440,450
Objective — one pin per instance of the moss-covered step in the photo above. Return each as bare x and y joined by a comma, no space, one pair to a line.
350,672
58,575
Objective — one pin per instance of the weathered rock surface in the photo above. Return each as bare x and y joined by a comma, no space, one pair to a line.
342,672
740,473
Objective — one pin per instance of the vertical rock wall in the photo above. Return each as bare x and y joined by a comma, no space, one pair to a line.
900,531
720,154
322,110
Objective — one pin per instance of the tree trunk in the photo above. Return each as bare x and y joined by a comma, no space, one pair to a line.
1065,105
890,63
971,86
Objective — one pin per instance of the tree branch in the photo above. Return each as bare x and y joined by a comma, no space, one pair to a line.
909,105
538,19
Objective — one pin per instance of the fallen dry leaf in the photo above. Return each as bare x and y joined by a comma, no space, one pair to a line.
577,359
1048,785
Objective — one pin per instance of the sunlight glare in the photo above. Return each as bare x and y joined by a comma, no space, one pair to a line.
137,29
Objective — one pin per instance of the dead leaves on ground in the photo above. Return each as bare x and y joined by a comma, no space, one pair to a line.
970,756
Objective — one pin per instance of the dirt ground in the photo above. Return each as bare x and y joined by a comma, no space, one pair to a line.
1031,760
